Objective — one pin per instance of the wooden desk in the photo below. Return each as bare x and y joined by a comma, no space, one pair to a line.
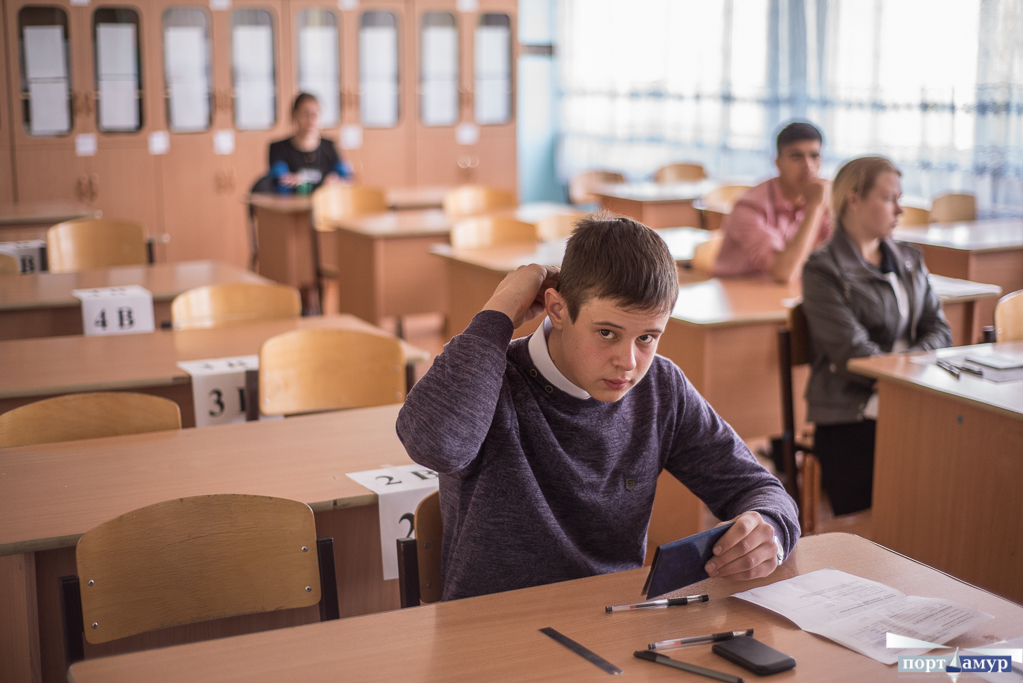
496,637
947,468
472,275
30,220
50,495
656,205
982,251
31,369
41,304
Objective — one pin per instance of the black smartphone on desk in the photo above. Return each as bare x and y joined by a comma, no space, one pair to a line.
751,654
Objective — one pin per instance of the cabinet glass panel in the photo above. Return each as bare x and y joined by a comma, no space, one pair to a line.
186,64
252,55
493,69
438,80
45,70
319,68
378,70
115,37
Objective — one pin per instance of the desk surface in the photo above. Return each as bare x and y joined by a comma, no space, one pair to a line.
1004,397
496,637
43,213
985,235
397,198
59,365
657,192
164,280
434,222
52,494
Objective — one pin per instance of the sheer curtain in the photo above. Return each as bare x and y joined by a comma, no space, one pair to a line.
937,85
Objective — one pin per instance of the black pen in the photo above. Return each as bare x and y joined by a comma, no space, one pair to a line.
691,668
948,367
655,604
693,640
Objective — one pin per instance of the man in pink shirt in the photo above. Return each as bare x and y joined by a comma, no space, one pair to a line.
773,228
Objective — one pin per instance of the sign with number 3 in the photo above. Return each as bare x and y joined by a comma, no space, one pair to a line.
218,388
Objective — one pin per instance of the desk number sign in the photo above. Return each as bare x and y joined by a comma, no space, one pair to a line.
399,490
29,254
218,388
116,310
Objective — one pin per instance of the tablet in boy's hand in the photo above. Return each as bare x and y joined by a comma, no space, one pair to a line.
680,563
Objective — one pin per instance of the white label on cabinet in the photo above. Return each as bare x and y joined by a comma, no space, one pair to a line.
351,137
159,142
80,3
348,4
399,491
223,142
116,310
467,5
85,145
220,4
467,134
218,388
29,254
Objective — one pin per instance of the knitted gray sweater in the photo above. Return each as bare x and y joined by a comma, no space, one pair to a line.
538,486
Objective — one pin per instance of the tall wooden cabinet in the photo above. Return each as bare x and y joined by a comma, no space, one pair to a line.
163,111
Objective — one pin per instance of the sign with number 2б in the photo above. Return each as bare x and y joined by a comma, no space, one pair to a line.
116,310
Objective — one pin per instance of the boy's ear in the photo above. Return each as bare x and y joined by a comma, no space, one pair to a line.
557,309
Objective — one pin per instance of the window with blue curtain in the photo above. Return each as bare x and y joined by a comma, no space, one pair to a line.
936,85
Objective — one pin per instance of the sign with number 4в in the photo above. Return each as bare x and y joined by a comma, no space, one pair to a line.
116,310
218,388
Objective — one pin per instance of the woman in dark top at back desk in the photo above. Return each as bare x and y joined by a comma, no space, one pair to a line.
305,161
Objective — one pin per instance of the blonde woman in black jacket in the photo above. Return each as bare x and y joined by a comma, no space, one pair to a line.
864,294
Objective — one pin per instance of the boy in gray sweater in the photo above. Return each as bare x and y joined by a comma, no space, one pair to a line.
549,447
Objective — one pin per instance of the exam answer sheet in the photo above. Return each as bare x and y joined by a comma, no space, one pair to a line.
858,613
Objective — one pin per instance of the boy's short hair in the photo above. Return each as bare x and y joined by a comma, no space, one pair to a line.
614,257
797,132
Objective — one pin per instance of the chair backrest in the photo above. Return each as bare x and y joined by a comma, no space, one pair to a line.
472,200
194,559
726,195
556,225
9,265
314,370
680,173
800,336
706,254
95,243
488,231
953,207
580,187
216,305
87,416
1008,318
429,538
912,215
337,201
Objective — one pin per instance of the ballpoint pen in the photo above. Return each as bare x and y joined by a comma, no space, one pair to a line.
693,640
948,367
656,604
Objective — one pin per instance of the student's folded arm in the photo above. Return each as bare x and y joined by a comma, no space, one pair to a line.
833,327
933,331
710,459
447,414
751,229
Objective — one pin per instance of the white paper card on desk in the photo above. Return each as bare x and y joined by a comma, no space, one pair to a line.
859,613
29,254
218,388
116,310
399,490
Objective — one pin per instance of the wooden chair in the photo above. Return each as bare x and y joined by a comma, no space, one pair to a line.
473,200
488,231
912,215
726,195
95,243
419,566
680,173
556,225
803,483
580,187
337,201
9,265
195,559
217,305
952,207
315,370
717,204
87,416
1008,318
706,254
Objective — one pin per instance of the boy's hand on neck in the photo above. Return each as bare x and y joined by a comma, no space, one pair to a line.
520,295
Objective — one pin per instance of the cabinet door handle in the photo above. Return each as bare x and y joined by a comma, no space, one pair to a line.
80,191
465,162
232,179
93,187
